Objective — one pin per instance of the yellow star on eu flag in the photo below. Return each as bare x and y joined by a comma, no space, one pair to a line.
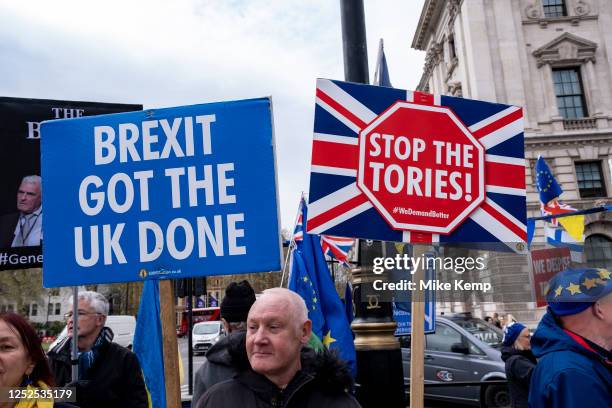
305,279
328,339
558,291
604,273
573,288
589,283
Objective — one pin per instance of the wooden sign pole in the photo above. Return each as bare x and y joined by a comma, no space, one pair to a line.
417,338
168,320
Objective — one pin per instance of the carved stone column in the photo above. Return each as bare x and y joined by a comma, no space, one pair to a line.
551,98
594,89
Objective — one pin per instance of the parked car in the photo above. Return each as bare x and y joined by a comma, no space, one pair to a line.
123,328
463,348
205,334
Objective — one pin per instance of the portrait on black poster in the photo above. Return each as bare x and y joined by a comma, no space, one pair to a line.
21,185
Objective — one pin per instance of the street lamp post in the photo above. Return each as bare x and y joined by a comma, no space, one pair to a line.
379,357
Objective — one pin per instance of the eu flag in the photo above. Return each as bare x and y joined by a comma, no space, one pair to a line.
148,343
311,279
547,185
549,192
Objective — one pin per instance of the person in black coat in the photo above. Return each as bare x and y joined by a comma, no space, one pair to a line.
281,373
109,374
520,362
220,364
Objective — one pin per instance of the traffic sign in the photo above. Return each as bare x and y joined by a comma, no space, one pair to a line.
402,308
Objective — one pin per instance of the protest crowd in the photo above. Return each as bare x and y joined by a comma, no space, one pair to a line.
174,196
269,360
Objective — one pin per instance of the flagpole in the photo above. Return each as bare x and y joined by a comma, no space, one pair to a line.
74,353
378,63
571,214
292,241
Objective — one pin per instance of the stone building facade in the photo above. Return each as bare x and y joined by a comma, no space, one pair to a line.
554,59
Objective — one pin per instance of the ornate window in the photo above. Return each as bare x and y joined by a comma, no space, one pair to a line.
554,8
590,179
566,50
569,92
598,250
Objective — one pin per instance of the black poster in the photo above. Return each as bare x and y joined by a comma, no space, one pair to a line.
21,188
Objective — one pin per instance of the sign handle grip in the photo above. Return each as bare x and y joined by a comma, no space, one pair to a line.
168,320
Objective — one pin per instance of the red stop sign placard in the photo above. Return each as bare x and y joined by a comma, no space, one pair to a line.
421,168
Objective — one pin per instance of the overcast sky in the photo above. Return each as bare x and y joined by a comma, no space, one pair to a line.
181,52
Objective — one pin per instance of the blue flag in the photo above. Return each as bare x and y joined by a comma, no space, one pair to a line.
148,343
530,231
311,279
545,181
381,75
348,301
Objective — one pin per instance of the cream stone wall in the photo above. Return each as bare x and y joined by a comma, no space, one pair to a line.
505,52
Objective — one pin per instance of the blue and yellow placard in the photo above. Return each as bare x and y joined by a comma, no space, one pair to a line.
163,193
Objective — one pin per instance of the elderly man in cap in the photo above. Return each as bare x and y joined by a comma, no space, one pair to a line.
226,357
573,342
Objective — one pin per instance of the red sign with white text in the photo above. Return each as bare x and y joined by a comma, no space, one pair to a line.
421,168
546,263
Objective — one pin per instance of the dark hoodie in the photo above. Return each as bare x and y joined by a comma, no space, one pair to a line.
223,360
323,381
569,374
519,367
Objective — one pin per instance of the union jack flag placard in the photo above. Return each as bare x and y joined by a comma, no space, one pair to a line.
333,247
396,165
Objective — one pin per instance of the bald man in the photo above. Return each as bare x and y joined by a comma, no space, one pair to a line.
283,373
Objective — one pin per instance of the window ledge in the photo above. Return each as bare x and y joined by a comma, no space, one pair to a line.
544,21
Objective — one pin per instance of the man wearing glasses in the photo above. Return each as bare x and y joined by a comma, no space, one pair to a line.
109,374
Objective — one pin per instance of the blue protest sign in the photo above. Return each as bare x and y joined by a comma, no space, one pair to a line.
164,193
